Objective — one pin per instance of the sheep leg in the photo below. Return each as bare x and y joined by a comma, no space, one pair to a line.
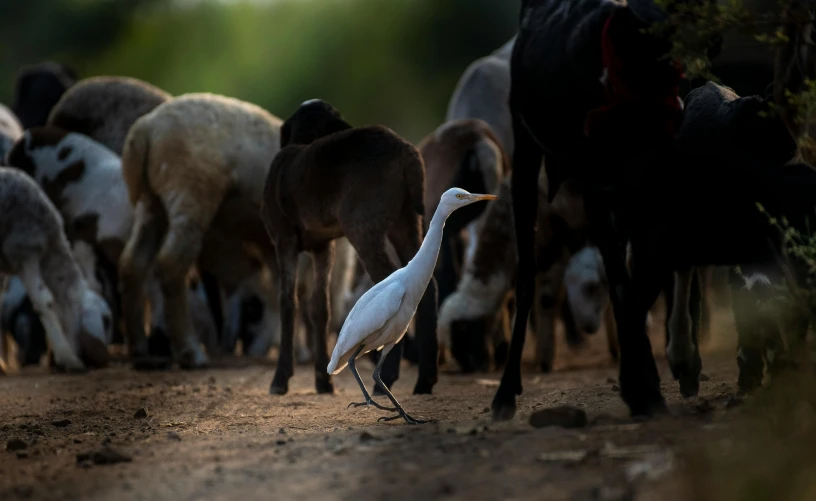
135,264
287,251
682,351
750,335
42,299
178,253
545,307
319,315
611,334
407,240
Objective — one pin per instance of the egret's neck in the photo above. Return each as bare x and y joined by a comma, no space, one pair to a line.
424,262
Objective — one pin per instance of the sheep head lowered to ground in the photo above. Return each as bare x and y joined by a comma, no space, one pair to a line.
83,179
331,180
33,246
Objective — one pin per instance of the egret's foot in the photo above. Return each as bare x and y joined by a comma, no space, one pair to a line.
371,402
404,415
323,383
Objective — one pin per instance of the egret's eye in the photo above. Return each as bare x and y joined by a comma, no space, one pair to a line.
459,196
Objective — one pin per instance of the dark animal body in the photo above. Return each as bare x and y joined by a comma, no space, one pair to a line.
331,180
595,134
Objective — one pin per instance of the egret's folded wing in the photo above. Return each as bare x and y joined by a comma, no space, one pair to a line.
368,315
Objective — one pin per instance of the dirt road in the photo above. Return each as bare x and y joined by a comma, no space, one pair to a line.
217,434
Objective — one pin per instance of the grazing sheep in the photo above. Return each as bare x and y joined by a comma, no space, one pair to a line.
83,179
591,92
33,246
571,280
332,180
482,93
10,130
37,90
466,154
104,108
194,168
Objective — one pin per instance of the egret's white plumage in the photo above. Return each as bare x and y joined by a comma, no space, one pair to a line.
381,316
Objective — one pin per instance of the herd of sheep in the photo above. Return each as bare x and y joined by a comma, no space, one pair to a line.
155,202
185,226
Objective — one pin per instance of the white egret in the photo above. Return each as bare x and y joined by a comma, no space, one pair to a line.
381,316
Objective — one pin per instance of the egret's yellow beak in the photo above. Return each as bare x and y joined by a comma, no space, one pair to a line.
476,198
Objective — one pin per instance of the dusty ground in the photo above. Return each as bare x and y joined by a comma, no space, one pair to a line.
217,434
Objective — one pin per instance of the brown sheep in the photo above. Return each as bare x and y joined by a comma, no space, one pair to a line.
104,108
332,180
194,167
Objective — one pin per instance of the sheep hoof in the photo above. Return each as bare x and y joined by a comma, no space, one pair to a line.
503,406
688,375
323,383
148,363
70,364
278,389
423,388
193,359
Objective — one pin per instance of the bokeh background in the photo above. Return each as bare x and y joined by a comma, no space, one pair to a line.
391,62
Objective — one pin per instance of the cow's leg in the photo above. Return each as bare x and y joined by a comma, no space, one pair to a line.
524,186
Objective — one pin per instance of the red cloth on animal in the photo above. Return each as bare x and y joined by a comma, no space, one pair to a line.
619,92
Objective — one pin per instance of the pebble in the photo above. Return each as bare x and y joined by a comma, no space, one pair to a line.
15,444
172,435
141,413
368,437
61,423
105,455
615,387
565,416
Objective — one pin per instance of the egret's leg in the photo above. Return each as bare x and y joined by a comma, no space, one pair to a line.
368,400
402,414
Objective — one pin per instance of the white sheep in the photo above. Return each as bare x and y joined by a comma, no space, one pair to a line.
33,245
193,165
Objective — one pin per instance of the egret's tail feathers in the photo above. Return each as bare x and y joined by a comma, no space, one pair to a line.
338,363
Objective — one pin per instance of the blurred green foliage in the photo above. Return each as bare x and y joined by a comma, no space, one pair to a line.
393,62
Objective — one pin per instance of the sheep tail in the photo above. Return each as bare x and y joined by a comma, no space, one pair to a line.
414,172
134,161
